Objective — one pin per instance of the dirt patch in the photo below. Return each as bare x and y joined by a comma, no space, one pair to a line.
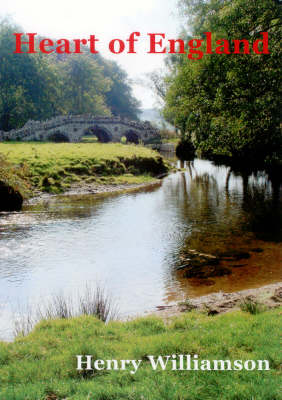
270,296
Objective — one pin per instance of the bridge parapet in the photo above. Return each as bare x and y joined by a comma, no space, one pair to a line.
73,127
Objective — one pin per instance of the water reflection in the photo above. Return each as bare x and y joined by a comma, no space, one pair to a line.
132,242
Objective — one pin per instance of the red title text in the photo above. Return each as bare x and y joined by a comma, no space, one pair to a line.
195,48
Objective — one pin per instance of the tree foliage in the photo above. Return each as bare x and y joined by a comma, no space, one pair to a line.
39,86
85,85
119,98
229,105
28,85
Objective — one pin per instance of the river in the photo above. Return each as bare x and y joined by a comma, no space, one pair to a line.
130,243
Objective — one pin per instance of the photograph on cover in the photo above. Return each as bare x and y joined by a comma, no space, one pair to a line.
140,200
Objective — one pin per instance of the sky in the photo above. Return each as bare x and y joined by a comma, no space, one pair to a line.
107,19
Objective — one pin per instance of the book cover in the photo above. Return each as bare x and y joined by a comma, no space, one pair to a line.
140,200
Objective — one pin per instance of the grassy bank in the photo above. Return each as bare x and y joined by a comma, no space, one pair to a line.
43,364
53,167
14,176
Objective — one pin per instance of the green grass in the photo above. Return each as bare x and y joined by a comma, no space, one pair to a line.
53,167
14,176
89,139
172,140
43,365
126,179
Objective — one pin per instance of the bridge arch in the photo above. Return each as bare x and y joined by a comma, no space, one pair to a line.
58,137
102,134
132,136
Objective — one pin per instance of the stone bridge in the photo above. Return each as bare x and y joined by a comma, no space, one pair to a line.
71,128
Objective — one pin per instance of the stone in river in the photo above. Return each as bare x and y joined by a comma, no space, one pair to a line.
206,271
257,250
234,255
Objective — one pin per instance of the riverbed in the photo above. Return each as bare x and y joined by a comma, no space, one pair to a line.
130,243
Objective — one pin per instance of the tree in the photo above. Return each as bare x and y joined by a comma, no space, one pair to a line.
39,86
230,105
28,84
85,85
119,97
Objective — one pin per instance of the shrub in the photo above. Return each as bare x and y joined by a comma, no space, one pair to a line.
251,306
95,302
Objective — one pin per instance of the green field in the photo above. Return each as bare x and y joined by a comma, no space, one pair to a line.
43,364
53,167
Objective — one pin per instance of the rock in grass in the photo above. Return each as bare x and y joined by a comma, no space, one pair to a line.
277,297
212,311
10,199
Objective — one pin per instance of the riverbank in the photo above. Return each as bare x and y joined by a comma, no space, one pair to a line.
87,189
31,169
43,365
265,297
